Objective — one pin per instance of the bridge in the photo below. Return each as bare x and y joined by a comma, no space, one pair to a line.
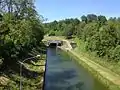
55,43
52,41
58,41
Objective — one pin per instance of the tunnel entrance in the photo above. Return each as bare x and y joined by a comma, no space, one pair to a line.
53,45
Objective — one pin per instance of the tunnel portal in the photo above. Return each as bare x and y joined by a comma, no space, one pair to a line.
54,43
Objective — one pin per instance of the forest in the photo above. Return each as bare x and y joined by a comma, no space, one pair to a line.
100,35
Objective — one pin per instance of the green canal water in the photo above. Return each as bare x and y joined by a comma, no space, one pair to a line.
63,73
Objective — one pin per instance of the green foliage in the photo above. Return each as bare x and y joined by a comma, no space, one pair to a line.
116,53
67,27
91,17
20,34
51,33
84,19
102,19
101,36
21,30
69,30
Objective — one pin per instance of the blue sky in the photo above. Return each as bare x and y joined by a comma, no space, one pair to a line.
61,9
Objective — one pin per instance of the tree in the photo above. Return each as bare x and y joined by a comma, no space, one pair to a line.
20,8
19,35
89,30
118,19
84,19
102,19
76,21
100,35
112,19
91,17
79,29
69,31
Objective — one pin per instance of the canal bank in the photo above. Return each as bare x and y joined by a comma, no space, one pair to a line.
108,78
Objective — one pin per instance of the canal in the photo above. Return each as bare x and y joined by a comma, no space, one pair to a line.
63,73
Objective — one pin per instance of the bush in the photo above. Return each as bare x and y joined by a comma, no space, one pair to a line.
116,53
51,33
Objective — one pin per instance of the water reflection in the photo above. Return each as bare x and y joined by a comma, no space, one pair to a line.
64,74
76,86
60,80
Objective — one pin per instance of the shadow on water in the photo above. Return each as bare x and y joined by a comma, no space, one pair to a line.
60,81
65,74
58,76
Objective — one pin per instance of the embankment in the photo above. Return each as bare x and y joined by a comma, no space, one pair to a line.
106,76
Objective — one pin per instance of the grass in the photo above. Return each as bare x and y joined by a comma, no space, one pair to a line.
96,74
46,38
92,63
110,64
36,66
32,81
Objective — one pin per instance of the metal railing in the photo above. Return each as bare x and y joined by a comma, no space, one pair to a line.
21,64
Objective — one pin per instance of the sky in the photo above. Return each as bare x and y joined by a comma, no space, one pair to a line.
61,9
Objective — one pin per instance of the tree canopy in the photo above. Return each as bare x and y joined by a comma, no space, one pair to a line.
21,29
101,36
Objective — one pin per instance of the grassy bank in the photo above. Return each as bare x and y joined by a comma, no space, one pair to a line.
95,73
101,61
110,85
32,75
103,74
110,64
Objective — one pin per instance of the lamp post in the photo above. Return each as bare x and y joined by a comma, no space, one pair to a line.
21,63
